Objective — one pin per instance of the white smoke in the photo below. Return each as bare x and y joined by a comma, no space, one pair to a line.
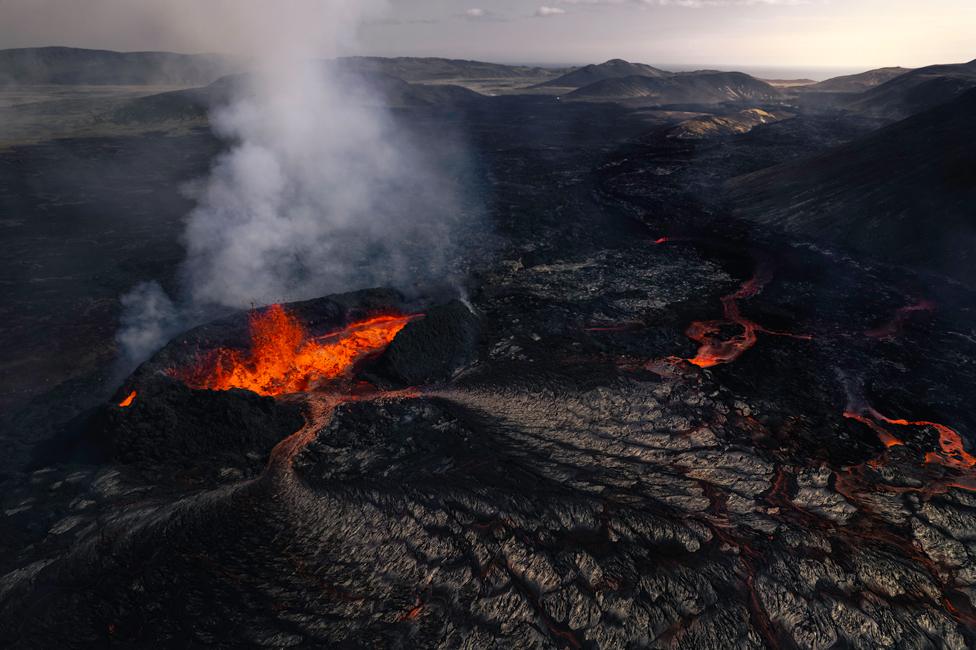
148,317
320,191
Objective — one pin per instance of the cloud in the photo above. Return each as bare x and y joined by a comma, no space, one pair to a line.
547,12
482,15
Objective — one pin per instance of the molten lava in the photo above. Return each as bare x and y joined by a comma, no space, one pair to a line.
952,452
886,438
284,359
714,350
128,400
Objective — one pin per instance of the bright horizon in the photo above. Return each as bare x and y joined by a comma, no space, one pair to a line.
827,36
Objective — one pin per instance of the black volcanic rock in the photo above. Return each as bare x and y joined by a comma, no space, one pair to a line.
854,83
392,444
68,65
690,88
170,425
612,69
905,194
433,348
915,91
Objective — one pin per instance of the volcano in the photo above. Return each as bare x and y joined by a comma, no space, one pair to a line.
653,410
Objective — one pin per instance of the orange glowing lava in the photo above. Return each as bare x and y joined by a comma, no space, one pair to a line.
715,351
886,438
951,452
284,359
128,400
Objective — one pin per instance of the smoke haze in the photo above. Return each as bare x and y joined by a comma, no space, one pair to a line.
319,192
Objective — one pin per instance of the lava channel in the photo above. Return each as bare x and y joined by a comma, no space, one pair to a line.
715,350
285,359
951,453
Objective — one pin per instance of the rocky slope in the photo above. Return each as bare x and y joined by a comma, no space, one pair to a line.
855,83
915,91
705,87
904,194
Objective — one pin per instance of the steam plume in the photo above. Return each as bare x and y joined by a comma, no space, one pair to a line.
320,191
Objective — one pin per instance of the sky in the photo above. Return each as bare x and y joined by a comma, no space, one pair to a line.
769,34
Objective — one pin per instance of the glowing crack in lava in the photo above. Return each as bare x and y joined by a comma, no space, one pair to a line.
128,400
284,359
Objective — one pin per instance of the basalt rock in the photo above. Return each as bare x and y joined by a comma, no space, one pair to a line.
433,348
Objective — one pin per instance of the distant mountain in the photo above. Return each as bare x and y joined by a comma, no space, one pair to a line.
705,87
73,66
194,104
429,69
856,83
904,194
612,69
395,92
177,106
916,91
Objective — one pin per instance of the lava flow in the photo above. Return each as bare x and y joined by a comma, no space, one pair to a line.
284,359
715,351
952,452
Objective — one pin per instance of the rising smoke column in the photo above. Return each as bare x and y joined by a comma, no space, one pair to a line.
319,192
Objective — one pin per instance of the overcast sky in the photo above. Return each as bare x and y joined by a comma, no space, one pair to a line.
764,33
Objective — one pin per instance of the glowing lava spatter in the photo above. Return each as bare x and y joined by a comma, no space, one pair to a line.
128,400
284,359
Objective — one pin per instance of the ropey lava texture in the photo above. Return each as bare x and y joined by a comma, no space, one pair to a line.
592,490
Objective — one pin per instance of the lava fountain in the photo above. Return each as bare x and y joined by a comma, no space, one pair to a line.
284,358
